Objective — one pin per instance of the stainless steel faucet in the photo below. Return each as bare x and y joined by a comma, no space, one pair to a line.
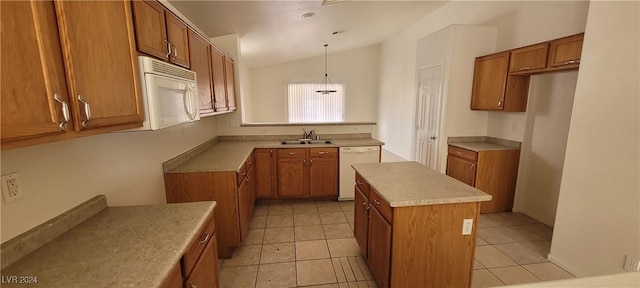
306,135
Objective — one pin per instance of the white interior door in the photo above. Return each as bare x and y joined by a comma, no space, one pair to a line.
428,115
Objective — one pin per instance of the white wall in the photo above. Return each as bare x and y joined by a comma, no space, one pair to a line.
126,167
545,142
357,69
518,22
456,47
598,220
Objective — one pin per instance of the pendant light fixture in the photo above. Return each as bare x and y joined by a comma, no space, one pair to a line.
327,87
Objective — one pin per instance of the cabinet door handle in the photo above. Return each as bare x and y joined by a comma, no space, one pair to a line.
364,204
473,166
247,179
168,48
304,162
192,285
525,68
65,110
500,103
311,163
87,110
376,201
206,237
459,153
175,51
359,183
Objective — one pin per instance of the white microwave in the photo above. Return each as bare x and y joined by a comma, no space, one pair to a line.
169,94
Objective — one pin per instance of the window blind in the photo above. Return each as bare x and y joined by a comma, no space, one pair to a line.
305,105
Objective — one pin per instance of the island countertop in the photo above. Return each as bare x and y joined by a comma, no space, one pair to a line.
412,184
132,246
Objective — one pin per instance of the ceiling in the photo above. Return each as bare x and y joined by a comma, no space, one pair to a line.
273,32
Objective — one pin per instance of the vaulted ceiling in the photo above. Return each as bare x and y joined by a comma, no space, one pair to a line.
273,32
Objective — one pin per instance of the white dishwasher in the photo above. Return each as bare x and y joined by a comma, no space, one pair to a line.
353,155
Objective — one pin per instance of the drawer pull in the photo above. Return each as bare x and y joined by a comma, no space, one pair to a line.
292,153
359,183
322,153
572,62
525,68
206,237
364,204
376,201
244,173
459,153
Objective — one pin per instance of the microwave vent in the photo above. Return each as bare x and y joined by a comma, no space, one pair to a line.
172,70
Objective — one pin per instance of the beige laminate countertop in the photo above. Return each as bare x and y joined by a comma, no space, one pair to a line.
478,146
229,155
132,246
413,184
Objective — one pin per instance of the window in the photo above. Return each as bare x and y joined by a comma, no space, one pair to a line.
305,105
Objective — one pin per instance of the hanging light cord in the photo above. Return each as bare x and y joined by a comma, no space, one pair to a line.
326,83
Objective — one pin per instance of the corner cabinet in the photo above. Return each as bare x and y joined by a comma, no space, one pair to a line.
66,86
438,256
494,172
501,80
234,192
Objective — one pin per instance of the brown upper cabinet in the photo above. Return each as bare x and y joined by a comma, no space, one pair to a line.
529,58
566,52
229,83
160,33
66,86
200,53
219,79
501,80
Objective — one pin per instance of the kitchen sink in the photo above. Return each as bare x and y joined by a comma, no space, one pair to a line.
298,142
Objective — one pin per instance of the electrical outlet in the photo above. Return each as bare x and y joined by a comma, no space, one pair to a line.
11,188
631,264
467,226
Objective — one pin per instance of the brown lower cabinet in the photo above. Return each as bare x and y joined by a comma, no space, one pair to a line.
494,172
414,246
199,265
265,173
233,192
296,173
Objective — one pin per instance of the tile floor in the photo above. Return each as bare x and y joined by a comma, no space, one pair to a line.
311,244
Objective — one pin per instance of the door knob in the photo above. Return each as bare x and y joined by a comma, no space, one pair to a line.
434,137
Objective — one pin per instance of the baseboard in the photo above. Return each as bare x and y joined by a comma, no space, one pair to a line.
542,220
564,266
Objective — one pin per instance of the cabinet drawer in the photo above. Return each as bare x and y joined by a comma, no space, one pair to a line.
249,162
193,253
463,153
242,173
291,153
362,185
323,152
381,205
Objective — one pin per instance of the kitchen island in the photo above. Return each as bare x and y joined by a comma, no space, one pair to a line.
415,226
132,246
